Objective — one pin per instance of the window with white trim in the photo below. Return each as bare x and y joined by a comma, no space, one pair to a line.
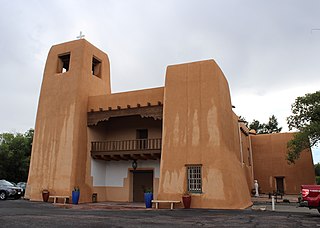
194,178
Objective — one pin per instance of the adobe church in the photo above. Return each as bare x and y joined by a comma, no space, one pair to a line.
182,137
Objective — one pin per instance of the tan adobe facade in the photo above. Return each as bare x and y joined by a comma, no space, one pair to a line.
273,170
184,137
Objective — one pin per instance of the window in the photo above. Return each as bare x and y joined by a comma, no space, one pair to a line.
63,63
96,67
194,178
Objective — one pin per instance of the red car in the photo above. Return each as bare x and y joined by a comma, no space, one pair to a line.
310,197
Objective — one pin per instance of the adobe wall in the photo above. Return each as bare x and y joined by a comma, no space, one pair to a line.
59,152
199,128
246,157
269,156
243,149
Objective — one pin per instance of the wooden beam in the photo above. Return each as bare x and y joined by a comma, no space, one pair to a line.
106,158
136,157
112,158
93,118
126,157
149,156
157,155
117,157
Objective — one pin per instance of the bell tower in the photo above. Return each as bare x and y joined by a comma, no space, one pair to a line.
74,71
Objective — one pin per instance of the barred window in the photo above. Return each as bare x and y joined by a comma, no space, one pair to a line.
194,178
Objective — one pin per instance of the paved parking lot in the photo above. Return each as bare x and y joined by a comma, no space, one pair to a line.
22,213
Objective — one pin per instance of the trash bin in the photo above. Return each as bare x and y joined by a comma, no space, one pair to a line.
94,197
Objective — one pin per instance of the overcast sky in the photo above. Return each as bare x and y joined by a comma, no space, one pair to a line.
267,49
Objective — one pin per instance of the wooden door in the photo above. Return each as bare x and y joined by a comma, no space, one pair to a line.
142,180
280,184
142,135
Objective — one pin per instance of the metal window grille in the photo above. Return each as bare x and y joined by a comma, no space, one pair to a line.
194,179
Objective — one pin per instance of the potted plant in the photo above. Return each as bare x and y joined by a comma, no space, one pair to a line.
45,195
148,197
186,199
75,195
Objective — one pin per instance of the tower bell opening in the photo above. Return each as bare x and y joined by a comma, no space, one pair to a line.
96,67
63,63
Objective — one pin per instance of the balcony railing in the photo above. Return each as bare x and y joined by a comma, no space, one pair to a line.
126,145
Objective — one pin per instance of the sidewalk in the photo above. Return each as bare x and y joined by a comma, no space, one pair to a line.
261,203
264,198
289,203
105,206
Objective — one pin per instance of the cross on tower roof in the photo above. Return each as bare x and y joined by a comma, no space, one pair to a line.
80,36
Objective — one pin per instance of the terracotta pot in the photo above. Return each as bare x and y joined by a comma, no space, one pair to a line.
186,201
45,195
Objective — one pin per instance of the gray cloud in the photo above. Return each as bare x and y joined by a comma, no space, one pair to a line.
262,47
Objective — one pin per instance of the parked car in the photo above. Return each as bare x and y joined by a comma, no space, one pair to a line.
310,197
8,189
22,185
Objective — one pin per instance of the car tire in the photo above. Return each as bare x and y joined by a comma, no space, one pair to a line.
17,197
3,195
319,210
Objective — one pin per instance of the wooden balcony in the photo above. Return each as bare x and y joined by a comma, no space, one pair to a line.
138,149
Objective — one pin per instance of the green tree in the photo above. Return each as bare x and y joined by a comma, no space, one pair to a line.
268,128
15,152
257,126
305,118
317,169
272,125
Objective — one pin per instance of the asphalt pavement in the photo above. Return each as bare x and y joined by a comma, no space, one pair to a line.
23,213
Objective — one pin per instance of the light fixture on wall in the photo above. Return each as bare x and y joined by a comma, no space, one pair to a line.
134,164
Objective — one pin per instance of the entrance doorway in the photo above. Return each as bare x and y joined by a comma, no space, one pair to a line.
142,135
280,184
142,180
